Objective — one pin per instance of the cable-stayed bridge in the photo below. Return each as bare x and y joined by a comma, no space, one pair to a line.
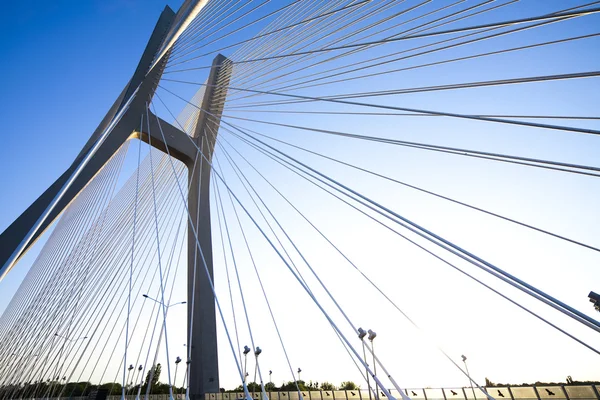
285,175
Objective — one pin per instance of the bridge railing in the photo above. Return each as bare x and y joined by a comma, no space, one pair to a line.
557,392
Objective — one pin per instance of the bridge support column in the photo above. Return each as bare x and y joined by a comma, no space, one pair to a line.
204,367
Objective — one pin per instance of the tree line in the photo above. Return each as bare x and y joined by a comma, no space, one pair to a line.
292,386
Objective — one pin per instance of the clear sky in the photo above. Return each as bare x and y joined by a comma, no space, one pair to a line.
65,62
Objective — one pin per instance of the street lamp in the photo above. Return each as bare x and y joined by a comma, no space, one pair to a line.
165,308
257,352
177,361
464,358
246,351
129,369
159,302
270,373
70,340
299,370
372,336
361,335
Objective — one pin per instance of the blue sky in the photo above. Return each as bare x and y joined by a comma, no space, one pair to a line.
67,61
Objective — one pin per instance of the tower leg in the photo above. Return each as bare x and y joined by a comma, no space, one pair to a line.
202,337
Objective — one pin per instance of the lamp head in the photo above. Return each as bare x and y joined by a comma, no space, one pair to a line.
246,350
595,300
372,335
463,358
257,351
361,333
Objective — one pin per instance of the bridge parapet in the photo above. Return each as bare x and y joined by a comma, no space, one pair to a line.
557,392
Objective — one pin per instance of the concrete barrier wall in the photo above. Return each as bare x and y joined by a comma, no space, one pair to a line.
564,392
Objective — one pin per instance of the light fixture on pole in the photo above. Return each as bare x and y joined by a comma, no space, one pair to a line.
372,336
129,373
70,340
246,351
256,354
464,358
141,380
361,335
134,378
177,361
299,370
270,373
165,308
157,301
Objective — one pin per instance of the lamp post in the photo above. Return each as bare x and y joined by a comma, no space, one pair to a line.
361,335
163,330
136,375
131,367
256,354
177,361
270,380
464,358
246,351
372,336
299,370
167,306
62,348
70,340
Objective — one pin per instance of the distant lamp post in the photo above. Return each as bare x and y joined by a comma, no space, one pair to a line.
361,335
159,302
299,370
129,369
372,336
70,340
177,361
270,373
246,351
257,352
163,331
139,371
464,358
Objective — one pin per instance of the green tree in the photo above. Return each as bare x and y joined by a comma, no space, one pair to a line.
154,372
348,385
254,387
290,386
112,387
270,387
327,386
